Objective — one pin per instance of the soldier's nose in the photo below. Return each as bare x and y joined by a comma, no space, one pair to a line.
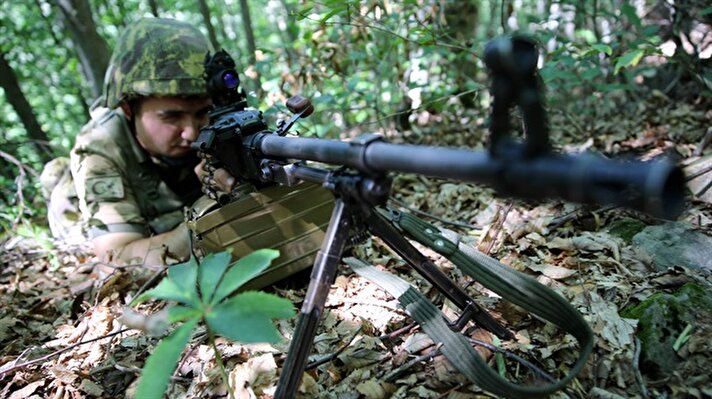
190,133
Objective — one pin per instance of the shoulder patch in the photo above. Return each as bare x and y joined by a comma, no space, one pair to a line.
104,188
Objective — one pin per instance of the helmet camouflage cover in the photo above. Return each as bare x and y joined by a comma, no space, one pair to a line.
156,56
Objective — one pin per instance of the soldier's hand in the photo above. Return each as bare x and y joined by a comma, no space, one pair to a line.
220,178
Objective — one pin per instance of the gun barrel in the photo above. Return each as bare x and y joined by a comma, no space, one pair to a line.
655,187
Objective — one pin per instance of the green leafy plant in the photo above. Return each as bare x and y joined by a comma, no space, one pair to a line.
202,292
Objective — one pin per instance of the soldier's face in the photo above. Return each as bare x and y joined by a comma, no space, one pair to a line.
167,125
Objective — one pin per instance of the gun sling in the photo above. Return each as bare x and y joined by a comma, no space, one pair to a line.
510,284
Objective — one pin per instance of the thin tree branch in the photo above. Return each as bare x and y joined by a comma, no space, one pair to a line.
435,42
9,367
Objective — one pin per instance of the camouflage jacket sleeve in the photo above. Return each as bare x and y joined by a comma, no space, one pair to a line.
106,199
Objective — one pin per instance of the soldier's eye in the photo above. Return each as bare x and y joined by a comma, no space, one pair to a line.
170,117
203,112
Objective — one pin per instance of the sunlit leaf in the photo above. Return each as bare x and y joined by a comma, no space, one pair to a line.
243,271
630,58
163,361
331,13
630,13
185,276
247,317
303,13
586,34
211,270
182,313
602,48
167,290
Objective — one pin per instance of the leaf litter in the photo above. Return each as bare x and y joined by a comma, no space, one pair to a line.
66,318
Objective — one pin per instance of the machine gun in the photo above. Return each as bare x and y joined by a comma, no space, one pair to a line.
238,139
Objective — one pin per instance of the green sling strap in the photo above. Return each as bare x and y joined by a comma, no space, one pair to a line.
510,284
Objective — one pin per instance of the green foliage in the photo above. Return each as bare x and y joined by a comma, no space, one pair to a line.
626,228
202,292
664,320
160,365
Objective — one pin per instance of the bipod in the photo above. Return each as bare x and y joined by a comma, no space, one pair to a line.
357,198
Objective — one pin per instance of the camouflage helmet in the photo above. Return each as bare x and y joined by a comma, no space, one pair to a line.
156,56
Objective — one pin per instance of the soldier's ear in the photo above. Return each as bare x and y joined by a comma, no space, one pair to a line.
128,109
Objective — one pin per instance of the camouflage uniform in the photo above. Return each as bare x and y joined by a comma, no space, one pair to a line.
63,213
121,188
118,186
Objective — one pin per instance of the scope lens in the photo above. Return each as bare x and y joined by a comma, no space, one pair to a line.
230,80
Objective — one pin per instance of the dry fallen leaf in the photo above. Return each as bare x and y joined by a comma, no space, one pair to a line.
27,390
617,332
371,389
249,378
553,272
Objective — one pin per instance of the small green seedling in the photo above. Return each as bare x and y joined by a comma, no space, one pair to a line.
202,295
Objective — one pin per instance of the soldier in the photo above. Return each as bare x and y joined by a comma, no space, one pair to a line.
132,165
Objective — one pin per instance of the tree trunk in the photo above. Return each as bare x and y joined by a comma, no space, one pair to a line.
250,36
154,7
92,49
205,12
461,19
228,23
16,98
291,34
76,88
580,15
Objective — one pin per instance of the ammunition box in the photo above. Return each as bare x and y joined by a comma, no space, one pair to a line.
292,220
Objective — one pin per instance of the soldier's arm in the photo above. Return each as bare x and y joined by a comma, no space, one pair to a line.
150,251
115,225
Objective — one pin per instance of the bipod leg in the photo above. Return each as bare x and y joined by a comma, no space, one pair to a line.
322,276
469,309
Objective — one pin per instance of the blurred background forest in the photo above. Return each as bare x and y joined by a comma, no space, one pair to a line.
367,65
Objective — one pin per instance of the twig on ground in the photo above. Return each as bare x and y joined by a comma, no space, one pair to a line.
496,229
10,367
401,331
376,303
395,374
113,364
447,393
151,281
638,375
334,355
575,214
541,373
706,140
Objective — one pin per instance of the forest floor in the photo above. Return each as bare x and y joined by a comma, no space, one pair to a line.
60,336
